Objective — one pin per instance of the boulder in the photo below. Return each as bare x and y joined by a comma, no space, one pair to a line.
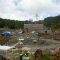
2,58
38,53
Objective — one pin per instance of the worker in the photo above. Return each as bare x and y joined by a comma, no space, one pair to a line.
27,53
23,52
21,55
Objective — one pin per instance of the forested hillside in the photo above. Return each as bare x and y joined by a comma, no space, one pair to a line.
50,21
11,23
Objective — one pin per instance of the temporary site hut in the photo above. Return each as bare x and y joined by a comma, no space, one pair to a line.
45,31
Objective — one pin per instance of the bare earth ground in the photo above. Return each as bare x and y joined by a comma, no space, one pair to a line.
47,45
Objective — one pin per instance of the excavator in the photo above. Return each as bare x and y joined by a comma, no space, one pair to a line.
24,30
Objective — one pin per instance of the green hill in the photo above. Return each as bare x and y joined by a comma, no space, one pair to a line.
50,21
14,24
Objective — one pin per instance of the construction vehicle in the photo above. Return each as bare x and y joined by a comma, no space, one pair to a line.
24,29
14,47
21,31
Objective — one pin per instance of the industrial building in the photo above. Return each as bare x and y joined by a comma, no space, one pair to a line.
33,27
45,31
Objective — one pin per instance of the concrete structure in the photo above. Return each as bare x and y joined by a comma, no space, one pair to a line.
45,31
33,27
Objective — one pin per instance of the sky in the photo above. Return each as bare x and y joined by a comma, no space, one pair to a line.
27,9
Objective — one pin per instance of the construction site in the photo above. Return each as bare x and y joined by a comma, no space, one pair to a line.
33,36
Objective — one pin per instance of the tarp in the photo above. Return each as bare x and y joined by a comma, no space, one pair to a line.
20,32
14,33
21,39
9,32
4,47
35,40
33,31
25,49
6,34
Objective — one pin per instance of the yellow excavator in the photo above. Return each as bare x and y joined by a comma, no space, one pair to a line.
24,31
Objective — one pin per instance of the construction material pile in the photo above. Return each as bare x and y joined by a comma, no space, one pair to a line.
39,34
49,36
56,53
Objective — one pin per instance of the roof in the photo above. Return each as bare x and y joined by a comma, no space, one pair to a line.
4,47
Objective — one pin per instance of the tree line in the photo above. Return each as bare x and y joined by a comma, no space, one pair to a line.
11,23
49,21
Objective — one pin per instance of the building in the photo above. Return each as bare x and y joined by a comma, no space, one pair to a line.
33,27
45,31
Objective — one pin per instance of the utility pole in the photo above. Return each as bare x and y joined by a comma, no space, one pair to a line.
36,17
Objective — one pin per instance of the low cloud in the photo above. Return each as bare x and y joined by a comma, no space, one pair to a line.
25,9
